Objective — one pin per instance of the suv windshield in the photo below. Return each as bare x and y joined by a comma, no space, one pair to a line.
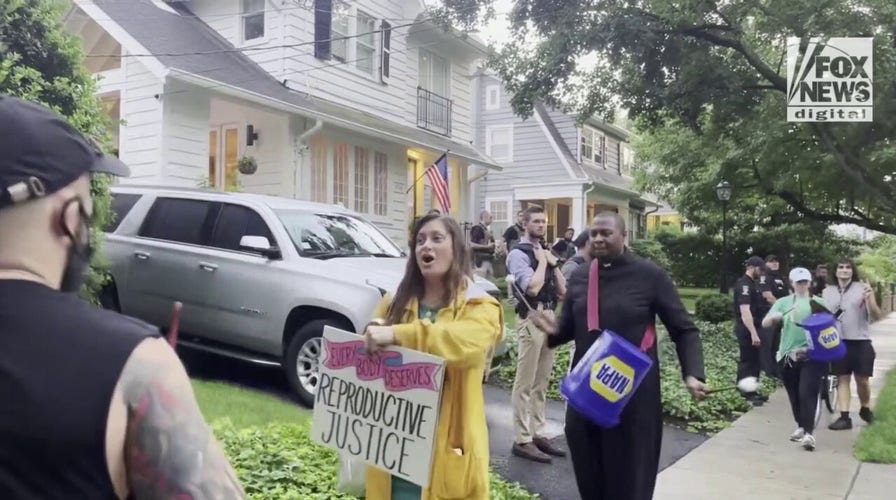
325,236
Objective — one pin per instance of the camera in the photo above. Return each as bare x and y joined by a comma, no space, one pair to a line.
838,313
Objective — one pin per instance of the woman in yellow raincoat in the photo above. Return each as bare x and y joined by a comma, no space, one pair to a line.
438,310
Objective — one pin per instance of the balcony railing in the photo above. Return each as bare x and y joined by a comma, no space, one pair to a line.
433,112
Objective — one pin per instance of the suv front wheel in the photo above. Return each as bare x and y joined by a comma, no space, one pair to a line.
302,358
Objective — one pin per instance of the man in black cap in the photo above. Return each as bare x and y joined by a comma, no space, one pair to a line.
772,286
95,404
747,322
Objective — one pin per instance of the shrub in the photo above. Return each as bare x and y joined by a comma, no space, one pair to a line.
720,353
713,308
651,249
281,461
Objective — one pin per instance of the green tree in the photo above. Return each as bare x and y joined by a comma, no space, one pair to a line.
705,82
42,63
877,263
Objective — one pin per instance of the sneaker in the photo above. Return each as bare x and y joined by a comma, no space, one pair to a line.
797,435
808,442
841,424
866,414
530,452
546,447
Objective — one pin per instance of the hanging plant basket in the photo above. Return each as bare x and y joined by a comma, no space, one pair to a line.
247,165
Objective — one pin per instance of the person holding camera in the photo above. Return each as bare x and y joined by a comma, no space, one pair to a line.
538,285
855,308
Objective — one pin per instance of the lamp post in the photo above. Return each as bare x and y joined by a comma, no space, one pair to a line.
723,193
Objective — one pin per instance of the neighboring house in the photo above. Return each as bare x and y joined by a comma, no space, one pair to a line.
338,102
573,172
665,216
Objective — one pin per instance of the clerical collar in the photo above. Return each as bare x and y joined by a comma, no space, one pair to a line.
612,261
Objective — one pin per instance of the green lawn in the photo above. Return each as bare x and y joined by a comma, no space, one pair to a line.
244,407
267,441
877,442
690,295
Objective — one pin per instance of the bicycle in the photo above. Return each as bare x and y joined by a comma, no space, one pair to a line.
827,394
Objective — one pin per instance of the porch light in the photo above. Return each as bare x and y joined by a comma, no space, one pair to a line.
251,135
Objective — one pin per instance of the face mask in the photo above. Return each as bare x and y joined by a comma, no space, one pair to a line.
79,254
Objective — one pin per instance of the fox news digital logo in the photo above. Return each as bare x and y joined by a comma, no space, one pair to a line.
832,82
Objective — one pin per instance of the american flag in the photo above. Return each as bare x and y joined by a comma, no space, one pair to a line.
438,178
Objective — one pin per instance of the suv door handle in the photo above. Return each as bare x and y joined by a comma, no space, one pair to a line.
206,266
140,254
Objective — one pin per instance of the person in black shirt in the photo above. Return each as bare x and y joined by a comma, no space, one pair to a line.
621,463
94,404
772,286
564,248
513,233
482,245
747,322
821,279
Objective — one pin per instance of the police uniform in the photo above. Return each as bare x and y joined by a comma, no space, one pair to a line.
746,292
770,337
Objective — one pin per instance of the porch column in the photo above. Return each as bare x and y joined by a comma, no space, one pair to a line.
578,214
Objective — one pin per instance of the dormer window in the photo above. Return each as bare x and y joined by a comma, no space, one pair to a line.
252,19
593,146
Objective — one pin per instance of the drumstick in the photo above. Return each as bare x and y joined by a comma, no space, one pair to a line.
175,324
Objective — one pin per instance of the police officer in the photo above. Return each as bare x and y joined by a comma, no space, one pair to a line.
747,322
95,404
537,284
773,287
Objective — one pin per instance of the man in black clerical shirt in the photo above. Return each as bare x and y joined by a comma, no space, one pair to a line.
621,463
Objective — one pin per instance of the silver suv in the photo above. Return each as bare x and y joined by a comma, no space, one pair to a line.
259,276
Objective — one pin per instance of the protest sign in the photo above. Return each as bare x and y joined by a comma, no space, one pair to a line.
381,408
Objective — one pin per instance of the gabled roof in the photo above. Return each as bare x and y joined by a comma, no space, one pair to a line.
192,51
597,175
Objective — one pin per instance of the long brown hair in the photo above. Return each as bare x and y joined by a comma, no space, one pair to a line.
411,285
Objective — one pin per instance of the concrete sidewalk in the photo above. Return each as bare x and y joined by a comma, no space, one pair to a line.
755,459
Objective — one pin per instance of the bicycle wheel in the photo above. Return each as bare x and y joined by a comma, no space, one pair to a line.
830,400
819,404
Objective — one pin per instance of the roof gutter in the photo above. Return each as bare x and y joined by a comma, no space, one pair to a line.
241,93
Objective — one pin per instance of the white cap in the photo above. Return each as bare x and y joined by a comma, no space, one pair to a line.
800,274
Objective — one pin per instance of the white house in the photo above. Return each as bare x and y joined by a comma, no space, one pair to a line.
339,102
572,171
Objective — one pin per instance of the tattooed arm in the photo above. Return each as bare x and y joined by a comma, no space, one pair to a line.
169,452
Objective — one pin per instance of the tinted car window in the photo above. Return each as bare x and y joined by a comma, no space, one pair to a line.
178,220
235,222
122,203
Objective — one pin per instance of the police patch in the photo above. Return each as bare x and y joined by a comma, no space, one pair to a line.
746,290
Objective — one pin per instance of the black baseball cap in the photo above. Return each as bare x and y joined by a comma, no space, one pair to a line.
755,261
771,258
41,153
582,239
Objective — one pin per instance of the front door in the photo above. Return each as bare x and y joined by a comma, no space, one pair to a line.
223,157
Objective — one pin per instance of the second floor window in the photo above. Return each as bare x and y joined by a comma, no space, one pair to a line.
435,73
626,159
340,30
364,45
593,146
252,19
499,142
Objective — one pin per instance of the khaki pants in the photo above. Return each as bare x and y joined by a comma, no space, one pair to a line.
533,372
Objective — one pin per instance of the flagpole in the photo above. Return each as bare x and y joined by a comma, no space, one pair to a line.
424,173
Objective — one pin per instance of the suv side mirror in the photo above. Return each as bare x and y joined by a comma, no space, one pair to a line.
261,245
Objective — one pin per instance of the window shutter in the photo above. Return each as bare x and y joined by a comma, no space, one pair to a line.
385,50
323,19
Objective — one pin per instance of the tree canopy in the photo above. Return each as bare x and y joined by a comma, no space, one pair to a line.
705,83
40,62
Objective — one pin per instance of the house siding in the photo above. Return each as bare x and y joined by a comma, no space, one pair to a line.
534,159
224,17
185,136
141,113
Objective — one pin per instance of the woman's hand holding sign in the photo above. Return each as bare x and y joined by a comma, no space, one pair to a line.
377,335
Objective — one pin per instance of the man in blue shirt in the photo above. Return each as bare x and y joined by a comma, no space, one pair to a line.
537,284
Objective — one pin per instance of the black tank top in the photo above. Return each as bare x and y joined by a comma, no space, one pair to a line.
60,359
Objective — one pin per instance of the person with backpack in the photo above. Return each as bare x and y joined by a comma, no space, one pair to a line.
538,285
482,246
580,257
